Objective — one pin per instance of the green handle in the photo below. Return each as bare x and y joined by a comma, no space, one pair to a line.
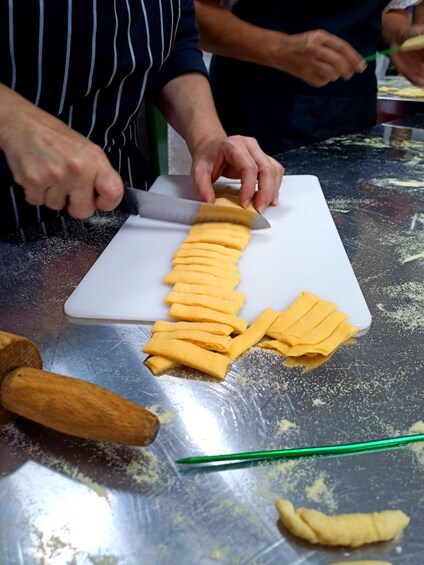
374,56
306,451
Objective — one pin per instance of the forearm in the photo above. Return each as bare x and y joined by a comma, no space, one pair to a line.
223,33
395,27
418,16
188,106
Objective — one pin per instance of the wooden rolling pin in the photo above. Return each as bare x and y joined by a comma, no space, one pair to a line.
68,405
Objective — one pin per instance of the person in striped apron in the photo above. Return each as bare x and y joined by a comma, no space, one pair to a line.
73,75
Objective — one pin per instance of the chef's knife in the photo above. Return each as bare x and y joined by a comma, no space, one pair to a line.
184,211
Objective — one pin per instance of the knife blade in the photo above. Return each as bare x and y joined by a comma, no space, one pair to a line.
183,211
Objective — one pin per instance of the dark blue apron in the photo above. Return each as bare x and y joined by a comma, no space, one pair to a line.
283,112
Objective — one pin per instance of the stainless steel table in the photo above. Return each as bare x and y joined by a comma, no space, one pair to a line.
69,501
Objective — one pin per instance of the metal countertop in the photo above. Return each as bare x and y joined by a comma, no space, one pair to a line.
69,501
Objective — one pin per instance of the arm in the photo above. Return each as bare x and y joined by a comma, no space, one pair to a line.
54,164
396,29
186,101
317,57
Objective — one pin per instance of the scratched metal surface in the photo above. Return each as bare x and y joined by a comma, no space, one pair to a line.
68,501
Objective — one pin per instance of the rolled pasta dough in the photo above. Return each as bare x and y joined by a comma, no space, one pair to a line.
350,530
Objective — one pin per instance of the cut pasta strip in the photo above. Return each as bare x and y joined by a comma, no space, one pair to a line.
309,321
206,340
213,328
292,314
200,314
211,363
193,277
204,253
215,271
230,267
253,334
209,290
221,304
323,330
158,364
221,238
343,332
200,246
277,345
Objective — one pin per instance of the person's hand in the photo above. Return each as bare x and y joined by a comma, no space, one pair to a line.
241,158
54,164
317,57
410,64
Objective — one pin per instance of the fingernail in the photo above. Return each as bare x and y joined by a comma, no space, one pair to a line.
274,202
362,66
245,203
261,208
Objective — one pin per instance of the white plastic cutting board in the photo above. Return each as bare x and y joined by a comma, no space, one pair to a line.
301,251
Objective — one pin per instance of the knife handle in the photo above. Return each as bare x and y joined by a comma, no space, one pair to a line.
76,407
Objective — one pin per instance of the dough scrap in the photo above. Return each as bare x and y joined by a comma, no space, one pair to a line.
352,530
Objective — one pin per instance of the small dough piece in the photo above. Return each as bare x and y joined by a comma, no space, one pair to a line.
193,277
352,530
220,304
189,354
158,364
302,305
213,342
253,334
200,314
213,328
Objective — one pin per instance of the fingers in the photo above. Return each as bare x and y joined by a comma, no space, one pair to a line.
264,171
244,159
319,57
109,189
82,186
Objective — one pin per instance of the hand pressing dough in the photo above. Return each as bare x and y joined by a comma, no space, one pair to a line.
350,530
